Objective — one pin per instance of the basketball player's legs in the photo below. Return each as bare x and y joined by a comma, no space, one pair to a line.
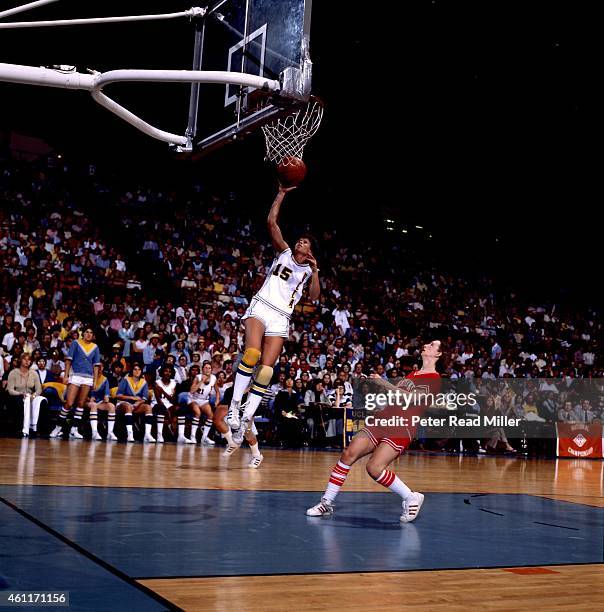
94,407
71,395
377,468
252,440
183,412
144,408
271,349
160,412
81,401
195,409
206,410
127,408
109,408
220,426
360,446
254,334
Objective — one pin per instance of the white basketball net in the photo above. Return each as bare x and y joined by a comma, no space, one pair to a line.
287,137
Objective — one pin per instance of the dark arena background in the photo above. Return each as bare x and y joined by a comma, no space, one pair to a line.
451,196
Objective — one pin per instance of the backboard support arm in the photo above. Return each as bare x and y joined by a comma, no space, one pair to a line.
94,83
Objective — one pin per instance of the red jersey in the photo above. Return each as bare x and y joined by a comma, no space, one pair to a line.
399,430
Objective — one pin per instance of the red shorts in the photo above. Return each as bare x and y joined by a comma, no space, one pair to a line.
398,444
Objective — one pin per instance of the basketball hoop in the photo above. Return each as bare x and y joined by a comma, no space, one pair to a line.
287,136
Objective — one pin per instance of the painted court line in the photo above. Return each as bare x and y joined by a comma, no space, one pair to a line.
89,555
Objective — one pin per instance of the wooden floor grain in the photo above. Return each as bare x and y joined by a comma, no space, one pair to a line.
574,587
81,463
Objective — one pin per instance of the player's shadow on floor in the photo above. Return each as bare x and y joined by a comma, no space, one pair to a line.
199,512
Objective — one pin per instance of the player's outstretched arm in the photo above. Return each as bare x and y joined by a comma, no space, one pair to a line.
315,286
273,218
378,380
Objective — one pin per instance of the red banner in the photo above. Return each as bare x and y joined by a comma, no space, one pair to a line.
580,440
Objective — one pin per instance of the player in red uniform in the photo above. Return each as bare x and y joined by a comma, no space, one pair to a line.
385,444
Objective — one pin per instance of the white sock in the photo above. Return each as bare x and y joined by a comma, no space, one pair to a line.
228,436
194,427
394,483
336,479
181,430
252,405
242,381
148,427
160,425
94,423
129,428
110,423
206,431
255,450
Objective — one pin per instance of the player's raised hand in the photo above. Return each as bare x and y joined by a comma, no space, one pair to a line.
283,189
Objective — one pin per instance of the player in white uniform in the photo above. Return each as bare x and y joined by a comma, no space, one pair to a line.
267,319
164,398
199,401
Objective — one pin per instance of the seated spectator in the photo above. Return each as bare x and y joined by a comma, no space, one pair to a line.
498,439
25,394
530,409
133,398
340,400
287,408
584,412
316,403
567,414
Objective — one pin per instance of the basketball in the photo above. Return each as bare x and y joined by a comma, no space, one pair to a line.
291,171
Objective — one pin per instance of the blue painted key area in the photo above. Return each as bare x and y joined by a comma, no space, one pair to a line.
178,532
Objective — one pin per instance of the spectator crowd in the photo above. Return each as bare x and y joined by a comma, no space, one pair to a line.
164,277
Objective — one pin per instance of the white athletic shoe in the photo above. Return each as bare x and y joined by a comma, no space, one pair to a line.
111,437
57,432
323,508
159,439
74,433
232,418
149,438
229,450
130,438
255,462
240,433
411,507
208,442
185,440
96,436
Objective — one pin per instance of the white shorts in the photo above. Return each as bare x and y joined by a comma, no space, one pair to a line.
161,404
275,323
80,381
198,399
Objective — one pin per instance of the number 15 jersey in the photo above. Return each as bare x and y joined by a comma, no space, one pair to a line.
283,286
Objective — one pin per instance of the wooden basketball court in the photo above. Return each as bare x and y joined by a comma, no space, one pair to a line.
199,532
